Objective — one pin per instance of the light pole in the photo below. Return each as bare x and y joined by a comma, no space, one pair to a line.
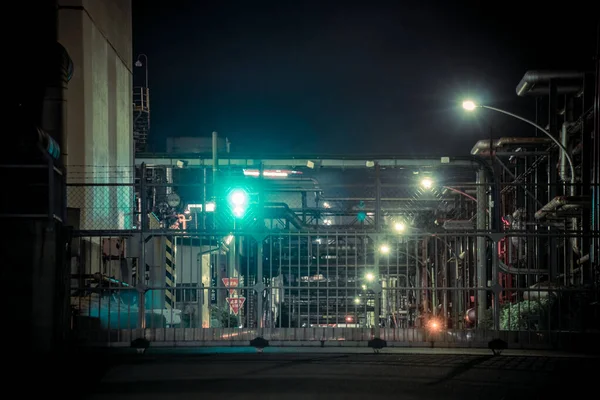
138,63
470,105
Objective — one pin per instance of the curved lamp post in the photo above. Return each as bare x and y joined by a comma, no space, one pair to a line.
470,105
139,63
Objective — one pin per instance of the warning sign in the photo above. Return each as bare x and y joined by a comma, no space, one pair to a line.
235,303
231,284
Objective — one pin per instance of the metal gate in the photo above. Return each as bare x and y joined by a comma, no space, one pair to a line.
425,253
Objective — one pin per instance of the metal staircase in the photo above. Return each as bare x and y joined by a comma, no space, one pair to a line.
141,118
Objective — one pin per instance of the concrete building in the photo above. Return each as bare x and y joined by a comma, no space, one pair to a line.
99,147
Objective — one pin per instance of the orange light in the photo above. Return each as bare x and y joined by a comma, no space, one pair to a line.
434,325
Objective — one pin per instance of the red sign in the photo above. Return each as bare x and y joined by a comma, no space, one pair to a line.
231,284
235,303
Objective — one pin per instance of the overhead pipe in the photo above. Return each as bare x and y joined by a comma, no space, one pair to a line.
297,181
562,202
533,78
483,145
521,271
282,210
540,91
521,141
390,161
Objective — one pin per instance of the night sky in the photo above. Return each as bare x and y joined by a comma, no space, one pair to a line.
312,77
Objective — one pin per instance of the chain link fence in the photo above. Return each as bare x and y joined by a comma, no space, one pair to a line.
103,206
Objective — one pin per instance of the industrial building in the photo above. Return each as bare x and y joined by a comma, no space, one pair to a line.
204,245
499,243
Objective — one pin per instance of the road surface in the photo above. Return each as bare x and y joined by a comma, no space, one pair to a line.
330,375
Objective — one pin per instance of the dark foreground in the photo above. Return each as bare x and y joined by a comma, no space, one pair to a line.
331,376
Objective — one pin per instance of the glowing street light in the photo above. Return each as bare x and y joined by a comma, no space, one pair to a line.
469,105
384,249
427,183
399,226
370,276
357,301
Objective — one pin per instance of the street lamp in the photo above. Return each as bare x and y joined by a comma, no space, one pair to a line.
427,183
385,249
139,63
399,226
470,105
370,277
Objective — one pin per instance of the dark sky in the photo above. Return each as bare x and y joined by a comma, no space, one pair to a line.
349,77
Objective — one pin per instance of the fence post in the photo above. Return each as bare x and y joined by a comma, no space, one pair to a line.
141,270
496,286
377,288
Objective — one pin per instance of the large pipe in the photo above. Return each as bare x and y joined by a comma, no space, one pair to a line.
483,145
540,91
563,160
521,271
561,202
481,255
533,78
54,109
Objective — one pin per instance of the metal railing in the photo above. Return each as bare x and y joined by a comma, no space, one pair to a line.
288,289
141,99
328,266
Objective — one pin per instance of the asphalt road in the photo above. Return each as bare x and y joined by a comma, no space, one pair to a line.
342,376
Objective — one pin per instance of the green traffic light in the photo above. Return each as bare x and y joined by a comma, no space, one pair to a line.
238,200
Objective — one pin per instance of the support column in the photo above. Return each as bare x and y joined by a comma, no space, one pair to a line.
377,289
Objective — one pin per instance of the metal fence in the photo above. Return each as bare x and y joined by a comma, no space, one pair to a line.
312,287
333,264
